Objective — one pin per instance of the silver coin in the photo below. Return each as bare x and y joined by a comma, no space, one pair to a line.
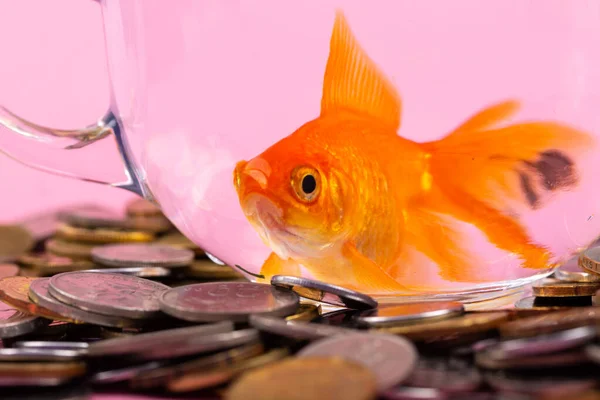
123,374
36,344
141,272
216,301
39,294
324,292
542,344
409,393
572,272
21,354
410,312
296,330
15,323
174,342
142,255
109,294
391,358
450,375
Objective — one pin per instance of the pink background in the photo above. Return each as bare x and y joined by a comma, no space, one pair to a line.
53,71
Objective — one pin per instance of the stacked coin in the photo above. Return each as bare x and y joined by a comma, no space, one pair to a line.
119,313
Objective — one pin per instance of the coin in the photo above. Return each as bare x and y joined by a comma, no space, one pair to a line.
344,318
43,370
550,322
49,264
16,323
534,362
213,377
534,303
14,241
470,323
173,343
111,294
80,346
542,344
411,393
142,272
538,386
215,301
589,260
14,290
143,208
306,378
142,255
179,240
92,219
39,294
305,312
161,376
324,292
29,354
77,251
391,358
206,269
410,312
592,351
554,288
123,374
450,375
296,330
572,272
102,235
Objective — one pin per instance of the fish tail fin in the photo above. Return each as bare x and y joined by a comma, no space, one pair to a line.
505,166
487,175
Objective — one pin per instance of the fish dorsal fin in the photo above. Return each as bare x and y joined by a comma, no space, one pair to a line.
353,81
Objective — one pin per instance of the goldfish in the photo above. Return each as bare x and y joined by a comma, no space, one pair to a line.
352,202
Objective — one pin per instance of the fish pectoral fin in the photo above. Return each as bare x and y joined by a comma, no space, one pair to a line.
367,275
439,237
353,82
275,265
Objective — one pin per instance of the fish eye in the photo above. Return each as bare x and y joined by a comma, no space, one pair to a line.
306,182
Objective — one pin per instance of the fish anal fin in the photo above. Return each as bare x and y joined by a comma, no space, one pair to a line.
353,82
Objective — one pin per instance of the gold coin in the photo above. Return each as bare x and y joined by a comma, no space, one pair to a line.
177,239
469,323
216,376
14,241
554,288
14,291
305,312
102,235
315,378
43,370
142,208
206,269
550,322
77,251
589,260
45,264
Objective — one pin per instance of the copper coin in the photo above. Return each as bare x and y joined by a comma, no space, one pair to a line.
571,271
468,324
315,378
102,235
14,290
554,288
74,250
14,241
142,207
50,264
16,323
551,322
589,260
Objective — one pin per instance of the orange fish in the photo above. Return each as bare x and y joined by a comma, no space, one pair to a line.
357,205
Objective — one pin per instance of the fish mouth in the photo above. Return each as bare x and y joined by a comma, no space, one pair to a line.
267,219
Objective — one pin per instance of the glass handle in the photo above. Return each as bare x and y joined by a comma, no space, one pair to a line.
63,152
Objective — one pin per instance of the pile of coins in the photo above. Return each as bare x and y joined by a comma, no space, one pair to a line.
130,305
